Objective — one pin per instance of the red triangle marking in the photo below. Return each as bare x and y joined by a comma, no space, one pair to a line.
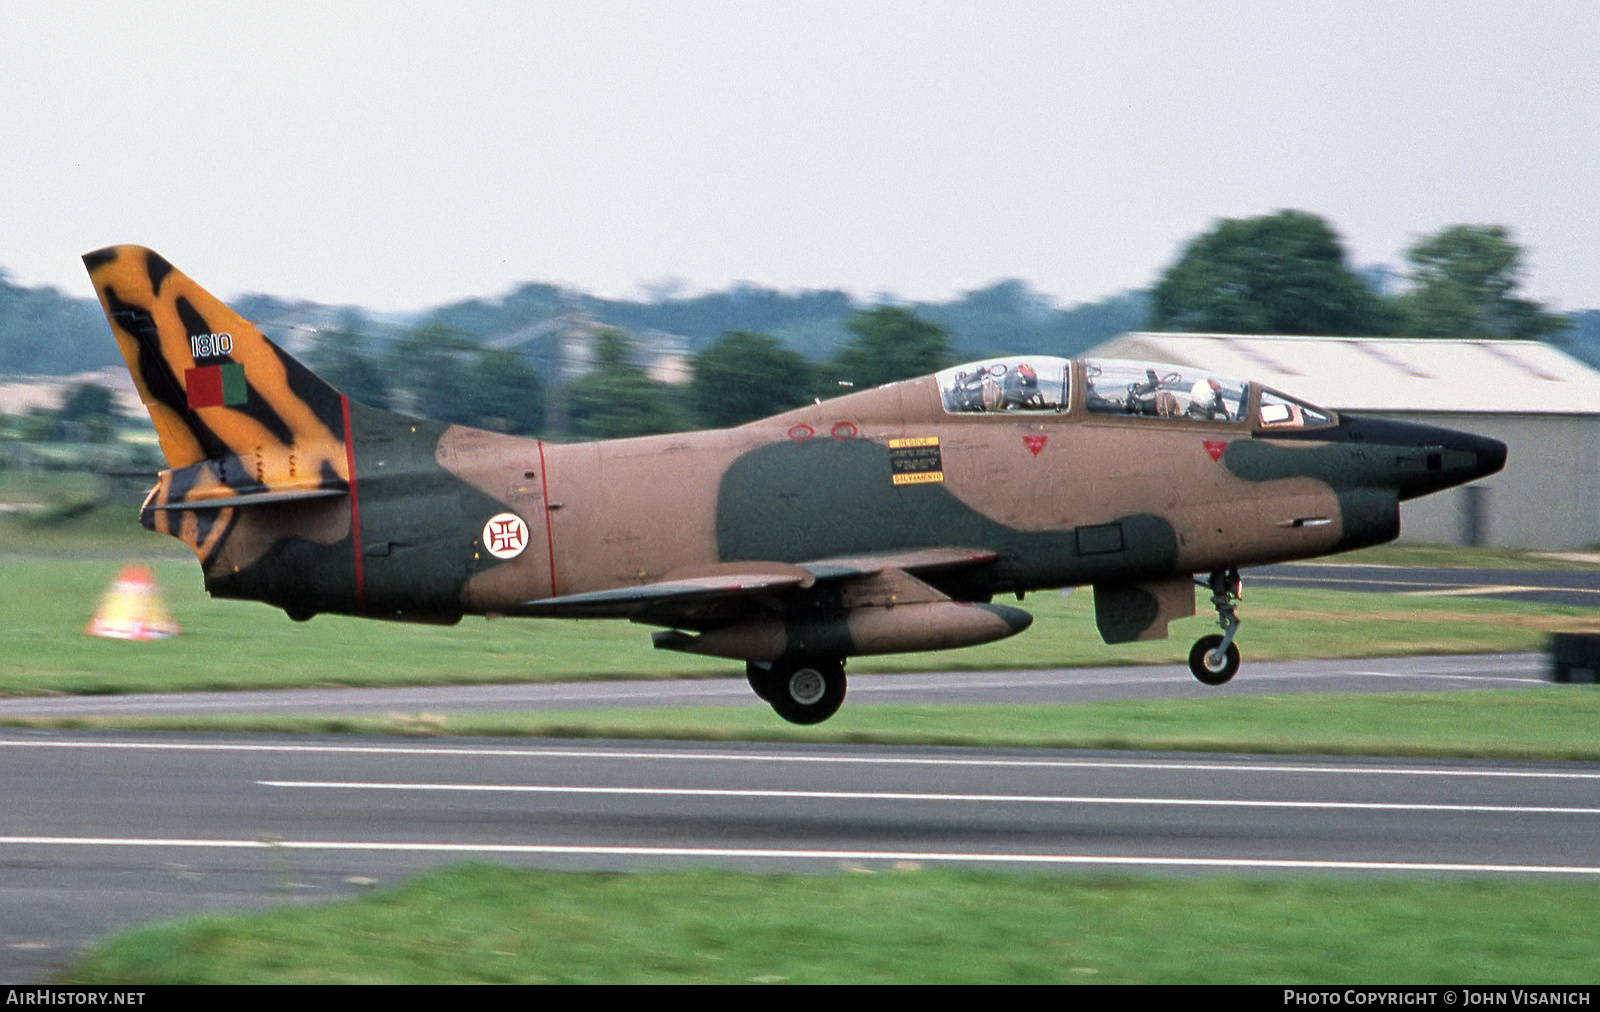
1035,443
1215,448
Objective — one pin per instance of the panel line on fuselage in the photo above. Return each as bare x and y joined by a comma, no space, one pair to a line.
549,533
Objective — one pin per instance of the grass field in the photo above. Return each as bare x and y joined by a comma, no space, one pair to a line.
53,571
38,487
1548,723
236,645
497,925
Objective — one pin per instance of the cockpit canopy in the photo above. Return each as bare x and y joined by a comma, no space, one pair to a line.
1280,411
1117,387
1024,383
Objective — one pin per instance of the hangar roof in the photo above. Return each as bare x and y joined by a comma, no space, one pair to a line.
1386,373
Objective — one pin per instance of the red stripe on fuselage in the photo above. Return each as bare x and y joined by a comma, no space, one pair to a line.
549,537
355,506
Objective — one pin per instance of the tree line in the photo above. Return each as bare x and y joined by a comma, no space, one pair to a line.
441,373
1281,273
1286,273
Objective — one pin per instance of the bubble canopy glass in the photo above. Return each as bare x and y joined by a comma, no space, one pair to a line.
1016,383
1154,390
1280,411
1120,387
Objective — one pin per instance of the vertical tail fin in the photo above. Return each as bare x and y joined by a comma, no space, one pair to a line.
218,391
241,423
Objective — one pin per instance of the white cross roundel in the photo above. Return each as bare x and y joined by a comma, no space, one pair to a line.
505,535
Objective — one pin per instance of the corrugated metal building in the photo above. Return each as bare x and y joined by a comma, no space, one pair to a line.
1542,403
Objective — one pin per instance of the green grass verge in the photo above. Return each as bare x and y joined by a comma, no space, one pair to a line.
487,924
1548,723
71,526
238,645
37,486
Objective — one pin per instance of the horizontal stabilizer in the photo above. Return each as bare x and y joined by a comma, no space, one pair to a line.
266,498
220,484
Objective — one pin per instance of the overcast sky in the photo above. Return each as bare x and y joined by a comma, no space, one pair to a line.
397,155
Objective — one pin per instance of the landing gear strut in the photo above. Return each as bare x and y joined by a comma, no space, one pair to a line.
1214,659
803,692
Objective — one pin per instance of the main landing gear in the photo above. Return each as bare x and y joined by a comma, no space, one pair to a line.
1214,659
803,692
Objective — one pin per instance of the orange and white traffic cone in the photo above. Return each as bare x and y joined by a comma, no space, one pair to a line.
132,609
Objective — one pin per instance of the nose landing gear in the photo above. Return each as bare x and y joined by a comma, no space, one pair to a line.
1214,659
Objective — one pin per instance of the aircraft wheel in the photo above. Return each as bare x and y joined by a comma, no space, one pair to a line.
761,679
807,692
1201,661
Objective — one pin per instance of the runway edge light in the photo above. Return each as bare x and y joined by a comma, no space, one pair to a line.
132,609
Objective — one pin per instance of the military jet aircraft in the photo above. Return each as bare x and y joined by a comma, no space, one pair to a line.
880,522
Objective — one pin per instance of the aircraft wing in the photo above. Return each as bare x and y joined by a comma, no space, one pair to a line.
922,560
706,595
709,596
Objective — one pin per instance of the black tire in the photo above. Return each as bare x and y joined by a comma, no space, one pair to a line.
807,692
1199,656
761,680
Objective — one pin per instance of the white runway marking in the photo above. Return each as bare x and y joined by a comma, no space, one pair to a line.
1430,588
1266,578
1030,799
1478,590
581,850
869,760
1415,674
913,683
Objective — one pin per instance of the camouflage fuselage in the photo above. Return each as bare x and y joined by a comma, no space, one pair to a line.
1061,500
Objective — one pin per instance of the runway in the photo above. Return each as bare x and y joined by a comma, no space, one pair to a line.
104,830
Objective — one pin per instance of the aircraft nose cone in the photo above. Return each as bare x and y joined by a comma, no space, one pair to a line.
1412,458
1447,457
1491,454
1467,456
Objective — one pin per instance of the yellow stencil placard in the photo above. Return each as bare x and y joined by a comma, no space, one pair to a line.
915,460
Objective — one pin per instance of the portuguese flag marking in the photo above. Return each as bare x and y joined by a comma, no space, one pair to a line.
216,386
